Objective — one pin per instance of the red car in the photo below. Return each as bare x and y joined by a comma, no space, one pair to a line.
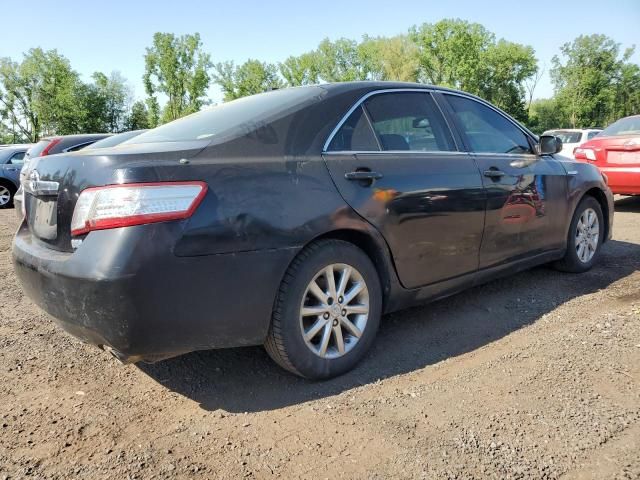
616,152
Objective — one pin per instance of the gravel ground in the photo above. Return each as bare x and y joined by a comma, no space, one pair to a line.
534,376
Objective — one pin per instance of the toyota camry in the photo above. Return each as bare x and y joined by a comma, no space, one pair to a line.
295,218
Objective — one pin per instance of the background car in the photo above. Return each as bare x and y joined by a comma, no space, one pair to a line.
66,143
572,138
296,218
11,160
616,152
114,140
51,146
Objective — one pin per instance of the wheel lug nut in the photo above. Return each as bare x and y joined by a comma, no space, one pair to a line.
340,300
344,312
335,322
326,316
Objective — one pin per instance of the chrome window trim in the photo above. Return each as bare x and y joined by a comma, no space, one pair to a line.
430,90
325,148
396,152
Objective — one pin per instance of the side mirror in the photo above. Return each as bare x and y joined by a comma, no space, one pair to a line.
549,144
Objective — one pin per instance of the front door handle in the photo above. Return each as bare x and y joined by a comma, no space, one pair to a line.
494,173
363,175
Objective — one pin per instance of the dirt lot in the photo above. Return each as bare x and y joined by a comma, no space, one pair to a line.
534,376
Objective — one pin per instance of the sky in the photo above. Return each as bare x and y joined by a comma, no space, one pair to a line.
112,36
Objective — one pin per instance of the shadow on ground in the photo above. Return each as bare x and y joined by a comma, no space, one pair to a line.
245,379
628,204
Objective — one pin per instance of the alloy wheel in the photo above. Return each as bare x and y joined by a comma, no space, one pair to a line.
5,196
587,235
334,311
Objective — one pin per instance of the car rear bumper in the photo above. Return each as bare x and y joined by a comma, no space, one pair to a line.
125,289
623,180
18,202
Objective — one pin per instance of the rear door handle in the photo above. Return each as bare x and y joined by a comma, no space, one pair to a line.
491,173
363,175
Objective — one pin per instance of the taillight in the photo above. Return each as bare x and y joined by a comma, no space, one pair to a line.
584,154
113,206
48,148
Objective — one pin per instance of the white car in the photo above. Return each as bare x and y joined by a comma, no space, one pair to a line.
572,138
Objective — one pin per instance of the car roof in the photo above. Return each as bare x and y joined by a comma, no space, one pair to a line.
16,146
78,136
573,129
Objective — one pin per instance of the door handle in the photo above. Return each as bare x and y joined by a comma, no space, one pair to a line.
494,173
363,175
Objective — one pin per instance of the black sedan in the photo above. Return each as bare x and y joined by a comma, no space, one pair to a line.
296,218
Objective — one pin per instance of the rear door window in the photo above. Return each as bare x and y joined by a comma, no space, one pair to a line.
355,135
17,158
590,135
486,130
409,121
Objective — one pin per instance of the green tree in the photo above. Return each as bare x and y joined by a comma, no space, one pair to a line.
590,77
103,103
627,96
249,78
300,70
546,114
466,56
38,96
342,61
393,59
138,117
507,67
177,68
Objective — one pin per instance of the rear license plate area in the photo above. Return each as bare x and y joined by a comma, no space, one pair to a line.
42,215
623,158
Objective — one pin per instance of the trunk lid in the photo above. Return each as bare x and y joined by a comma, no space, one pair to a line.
616,151
53,183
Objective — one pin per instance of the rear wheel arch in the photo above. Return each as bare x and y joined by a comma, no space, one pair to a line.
377,251
375,248
601,198
9,184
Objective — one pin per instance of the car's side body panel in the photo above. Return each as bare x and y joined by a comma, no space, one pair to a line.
158,290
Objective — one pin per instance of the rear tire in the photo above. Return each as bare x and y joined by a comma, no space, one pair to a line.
586,234
321,329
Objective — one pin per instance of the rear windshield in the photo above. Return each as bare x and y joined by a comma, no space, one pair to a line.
624,126
37,149
567,137
114,140
238,116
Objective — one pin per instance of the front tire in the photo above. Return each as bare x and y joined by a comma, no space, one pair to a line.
327,311
586,235
6,195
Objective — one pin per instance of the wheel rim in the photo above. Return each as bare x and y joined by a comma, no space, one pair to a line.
5,195
587,235
334,311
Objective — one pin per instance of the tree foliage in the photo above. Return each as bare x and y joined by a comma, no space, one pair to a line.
466,56
249,78
178,68
39,95
43,95
138,118
594,82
